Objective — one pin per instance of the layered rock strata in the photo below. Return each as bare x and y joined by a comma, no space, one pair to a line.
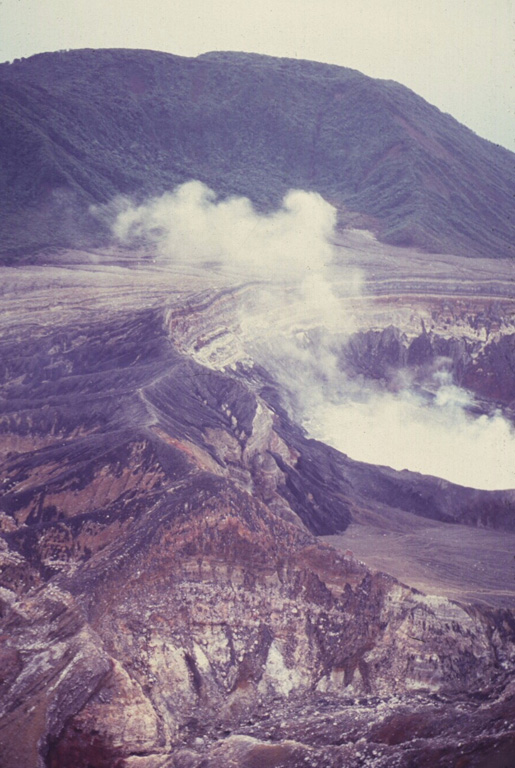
165,600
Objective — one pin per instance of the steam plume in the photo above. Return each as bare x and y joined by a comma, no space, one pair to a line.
289,253
405,431
191,225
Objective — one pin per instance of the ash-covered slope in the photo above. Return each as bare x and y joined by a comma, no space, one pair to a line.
80,127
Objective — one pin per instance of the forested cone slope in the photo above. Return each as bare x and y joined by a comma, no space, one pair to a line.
81,127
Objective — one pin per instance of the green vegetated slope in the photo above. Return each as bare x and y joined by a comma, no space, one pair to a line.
80,127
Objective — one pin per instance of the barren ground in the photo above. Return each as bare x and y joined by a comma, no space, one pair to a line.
459,562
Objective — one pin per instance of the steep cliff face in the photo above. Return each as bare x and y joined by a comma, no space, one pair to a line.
484,366
492,373
164,598
229,613
214,615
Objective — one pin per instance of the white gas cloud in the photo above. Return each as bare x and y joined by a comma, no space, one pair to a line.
287,251
192,225
405,431
293,323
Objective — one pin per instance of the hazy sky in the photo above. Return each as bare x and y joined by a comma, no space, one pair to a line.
457,54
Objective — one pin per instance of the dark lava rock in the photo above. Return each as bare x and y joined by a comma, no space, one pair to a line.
492,373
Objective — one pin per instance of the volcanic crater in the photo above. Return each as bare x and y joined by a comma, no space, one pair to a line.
188,578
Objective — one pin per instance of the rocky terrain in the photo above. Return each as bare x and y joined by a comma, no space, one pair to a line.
166,597
187,578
